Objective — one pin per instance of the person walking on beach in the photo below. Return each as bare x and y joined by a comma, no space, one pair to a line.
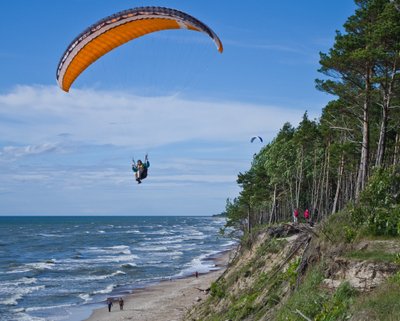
121,303
110,304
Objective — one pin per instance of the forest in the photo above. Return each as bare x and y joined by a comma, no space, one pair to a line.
348,160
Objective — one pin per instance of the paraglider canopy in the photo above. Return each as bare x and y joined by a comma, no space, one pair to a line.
117,29
256,138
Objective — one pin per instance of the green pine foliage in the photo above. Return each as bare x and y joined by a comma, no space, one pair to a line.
344,167
325,164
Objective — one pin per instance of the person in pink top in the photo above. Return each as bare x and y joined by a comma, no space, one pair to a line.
307,215
295,215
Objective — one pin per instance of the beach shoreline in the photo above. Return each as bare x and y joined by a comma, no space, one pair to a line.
167,300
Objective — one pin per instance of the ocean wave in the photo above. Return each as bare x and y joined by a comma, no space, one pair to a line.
50,235
49,307
17,293
229,244
195,235
117,273
107,290
84,277
77,264
160,232
17,271
85,297
21,316
170,253
83,273
114,259
23,281
150,248
117,249
133,232
47,265
197,265
128,265
157,264
167,240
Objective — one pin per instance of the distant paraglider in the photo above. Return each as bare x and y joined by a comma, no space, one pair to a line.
256,138
115,30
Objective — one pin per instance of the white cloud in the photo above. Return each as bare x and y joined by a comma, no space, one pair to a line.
119,118
83,142
12,152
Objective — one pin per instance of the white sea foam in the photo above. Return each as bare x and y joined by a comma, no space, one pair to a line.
114,259
73,264
118,273
194,235
50,307
108,289
85,297
198,265
170,253
49,265
167,240
154,262
84,278
149,248
132,232
50,235
118,249
16,293
17,270
23,281
160,232
20,316
128,265
229,244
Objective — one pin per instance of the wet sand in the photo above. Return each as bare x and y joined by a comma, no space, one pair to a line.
166,301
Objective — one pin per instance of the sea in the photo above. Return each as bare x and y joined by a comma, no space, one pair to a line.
62,268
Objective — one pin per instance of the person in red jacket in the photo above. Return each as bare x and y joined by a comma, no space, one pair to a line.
307,215
295,215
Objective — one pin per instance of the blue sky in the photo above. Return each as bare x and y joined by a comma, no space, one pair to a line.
170,94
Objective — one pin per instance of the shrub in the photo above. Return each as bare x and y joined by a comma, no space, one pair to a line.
217,289
378,209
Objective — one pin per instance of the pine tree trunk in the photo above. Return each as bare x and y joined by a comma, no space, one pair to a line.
364,159
385,116
299,177
327,185
273,206
396,153
248,220
339,182
382,138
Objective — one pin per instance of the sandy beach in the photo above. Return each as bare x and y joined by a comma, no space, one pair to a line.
166,301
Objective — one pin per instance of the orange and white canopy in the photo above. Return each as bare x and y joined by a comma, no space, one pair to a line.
115,30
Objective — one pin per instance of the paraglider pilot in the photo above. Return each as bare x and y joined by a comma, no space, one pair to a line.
140,169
